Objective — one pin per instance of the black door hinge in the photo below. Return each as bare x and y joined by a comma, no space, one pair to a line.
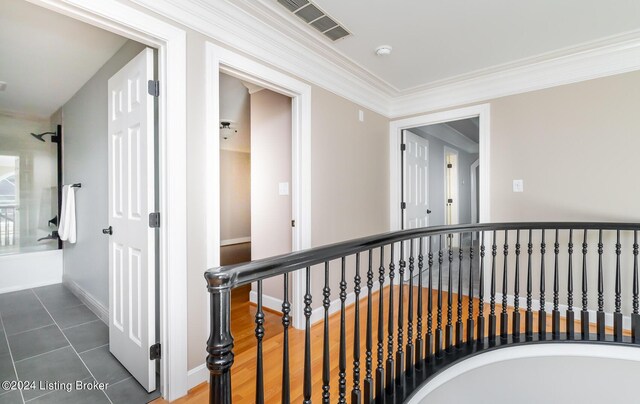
154,220
449,200
293,223
449,165
403,147
155,351
153,87
403,205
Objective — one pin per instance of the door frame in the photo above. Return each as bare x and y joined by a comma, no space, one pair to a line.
456,188
474,189
482,111
170,43
218,60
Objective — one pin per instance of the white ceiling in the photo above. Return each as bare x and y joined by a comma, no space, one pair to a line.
435,40
46,57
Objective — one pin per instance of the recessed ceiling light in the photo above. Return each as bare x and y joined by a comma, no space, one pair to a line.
3,86
383,50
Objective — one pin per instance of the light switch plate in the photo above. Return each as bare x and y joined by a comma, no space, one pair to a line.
361,115
518,186
283,188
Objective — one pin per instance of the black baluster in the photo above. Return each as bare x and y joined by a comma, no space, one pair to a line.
286,321
410,350
259,336
368,379
459,328
342,362
528,316
481,294
635,316
380,367
449,330
438,348
470,323
504,316
542,314
617,316
570,313
400,348
492,299
584,315
220,343
355,391
326,365
516,292
419,341
307,338
600,316
390,364
555,313
429,337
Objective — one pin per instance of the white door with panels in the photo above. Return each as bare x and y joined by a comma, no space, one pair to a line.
416,167
132,292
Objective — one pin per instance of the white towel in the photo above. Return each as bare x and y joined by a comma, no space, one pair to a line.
67,228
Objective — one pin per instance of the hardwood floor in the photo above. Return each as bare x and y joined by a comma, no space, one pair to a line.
242,325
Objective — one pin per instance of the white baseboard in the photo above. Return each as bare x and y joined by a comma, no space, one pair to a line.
269,302
96,307
233,241
197,375
548,307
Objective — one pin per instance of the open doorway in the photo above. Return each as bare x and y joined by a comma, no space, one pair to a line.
67,175
255,182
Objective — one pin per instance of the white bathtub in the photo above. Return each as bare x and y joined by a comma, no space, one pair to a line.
30,270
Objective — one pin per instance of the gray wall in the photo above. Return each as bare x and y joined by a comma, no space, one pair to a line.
84,119
436,179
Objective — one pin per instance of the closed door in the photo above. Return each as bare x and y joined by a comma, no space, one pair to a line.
132,293
416,167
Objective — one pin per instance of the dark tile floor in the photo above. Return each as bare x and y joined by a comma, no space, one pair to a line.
47,334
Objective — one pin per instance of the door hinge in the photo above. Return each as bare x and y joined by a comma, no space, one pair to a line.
154,219
403,147
449,200
155,351
403,205
293,223
449,165
153,87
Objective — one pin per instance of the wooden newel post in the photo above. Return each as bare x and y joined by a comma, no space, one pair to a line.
220,343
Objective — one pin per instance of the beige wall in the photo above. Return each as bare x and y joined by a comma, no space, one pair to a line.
576,148
271,165
235,195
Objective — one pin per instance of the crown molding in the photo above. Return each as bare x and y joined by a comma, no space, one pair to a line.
257,29
252,33
614,55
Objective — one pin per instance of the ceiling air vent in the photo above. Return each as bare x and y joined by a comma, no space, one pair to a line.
318,19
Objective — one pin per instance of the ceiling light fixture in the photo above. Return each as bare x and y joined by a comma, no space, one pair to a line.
226,131
3,86
383,50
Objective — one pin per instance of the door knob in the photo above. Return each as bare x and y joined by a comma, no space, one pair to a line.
108,230
428,211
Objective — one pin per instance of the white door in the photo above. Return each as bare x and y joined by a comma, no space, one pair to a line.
132,281
416,163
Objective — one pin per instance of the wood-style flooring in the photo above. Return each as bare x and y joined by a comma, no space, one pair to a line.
243,326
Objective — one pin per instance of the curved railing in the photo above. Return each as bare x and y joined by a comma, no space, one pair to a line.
433,296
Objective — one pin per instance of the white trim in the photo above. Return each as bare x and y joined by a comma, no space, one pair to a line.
482,111
601,58
551,349
220,59
455,217
270,302
256,30
85,297
197,375
548,307
233,241
474,186
170,42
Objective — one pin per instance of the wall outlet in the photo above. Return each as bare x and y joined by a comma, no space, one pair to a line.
518,186
283,188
